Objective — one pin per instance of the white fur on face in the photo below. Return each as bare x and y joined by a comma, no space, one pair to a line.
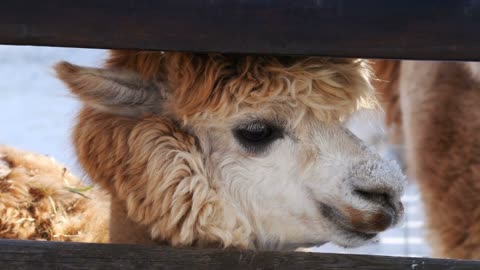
282,195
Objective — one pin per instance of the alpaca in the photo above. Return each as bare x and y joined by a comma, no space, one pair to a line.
386,85
440,121
228,150
41,200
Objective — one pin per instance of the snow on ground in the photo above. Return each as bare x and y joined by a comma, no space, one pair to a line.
37,113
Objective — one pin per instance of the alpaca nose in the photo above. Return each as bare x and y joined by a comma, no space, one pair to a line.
381,197
390,209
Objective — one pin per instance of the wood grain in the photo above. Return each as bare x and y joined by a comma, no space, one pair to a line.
17,255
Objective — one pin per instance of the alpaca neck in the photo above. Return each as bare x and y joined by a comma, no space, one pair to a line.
123,229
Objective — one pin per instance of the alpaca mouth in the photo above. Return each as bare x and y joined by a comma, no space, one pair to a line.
356,234
339,222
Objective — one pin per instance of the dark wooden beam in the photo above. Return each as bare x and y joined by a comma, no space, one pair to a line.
409,29
17,255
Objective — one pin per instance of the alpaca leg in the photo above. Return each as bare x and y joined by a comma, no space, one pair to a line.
441,114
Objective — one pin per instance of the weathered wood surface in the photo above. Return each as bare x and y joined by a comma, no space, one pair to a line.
409,29
50,255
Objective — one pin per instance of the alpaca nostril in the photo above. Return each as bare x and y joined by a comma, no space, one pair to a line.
376,196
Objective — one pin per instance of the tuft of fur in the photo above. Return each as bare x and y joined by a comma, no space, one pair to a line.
41,200
211,87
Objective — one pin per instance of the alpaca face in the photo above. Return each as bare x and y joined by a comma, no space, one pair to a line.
302,185
266,170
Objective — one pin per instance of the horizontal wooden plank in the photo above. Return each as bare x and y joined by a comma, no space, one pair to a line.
408,29
51,255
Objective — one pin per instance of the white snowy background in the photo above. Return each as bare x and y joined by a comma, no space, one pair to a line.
36,114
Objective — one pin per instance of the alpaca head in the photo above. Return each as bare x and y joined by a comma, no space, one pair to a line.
245,151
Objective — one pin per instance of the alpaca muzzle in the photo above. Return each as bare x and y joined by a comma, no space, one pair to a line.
374,200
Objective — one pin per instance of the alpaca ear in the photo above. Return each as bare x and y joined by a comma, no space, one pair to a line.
119,91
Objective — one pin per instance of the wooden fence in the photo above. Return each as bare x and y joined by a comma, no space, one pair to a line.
50,255
407,29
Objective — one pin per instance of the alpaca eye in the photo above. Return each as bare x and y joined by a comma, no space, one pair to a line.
256,136
256,133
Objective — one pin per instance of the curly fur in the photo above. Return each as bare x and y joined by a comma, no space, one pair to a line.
37,201
215,86
169,193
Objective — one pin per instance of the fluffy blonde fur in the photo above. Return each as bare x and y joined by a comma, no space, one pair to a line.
38,201
216,86
439,106
169,193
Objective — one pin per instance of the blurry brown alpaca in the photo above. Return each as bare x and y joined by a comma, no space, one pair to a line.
433,108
